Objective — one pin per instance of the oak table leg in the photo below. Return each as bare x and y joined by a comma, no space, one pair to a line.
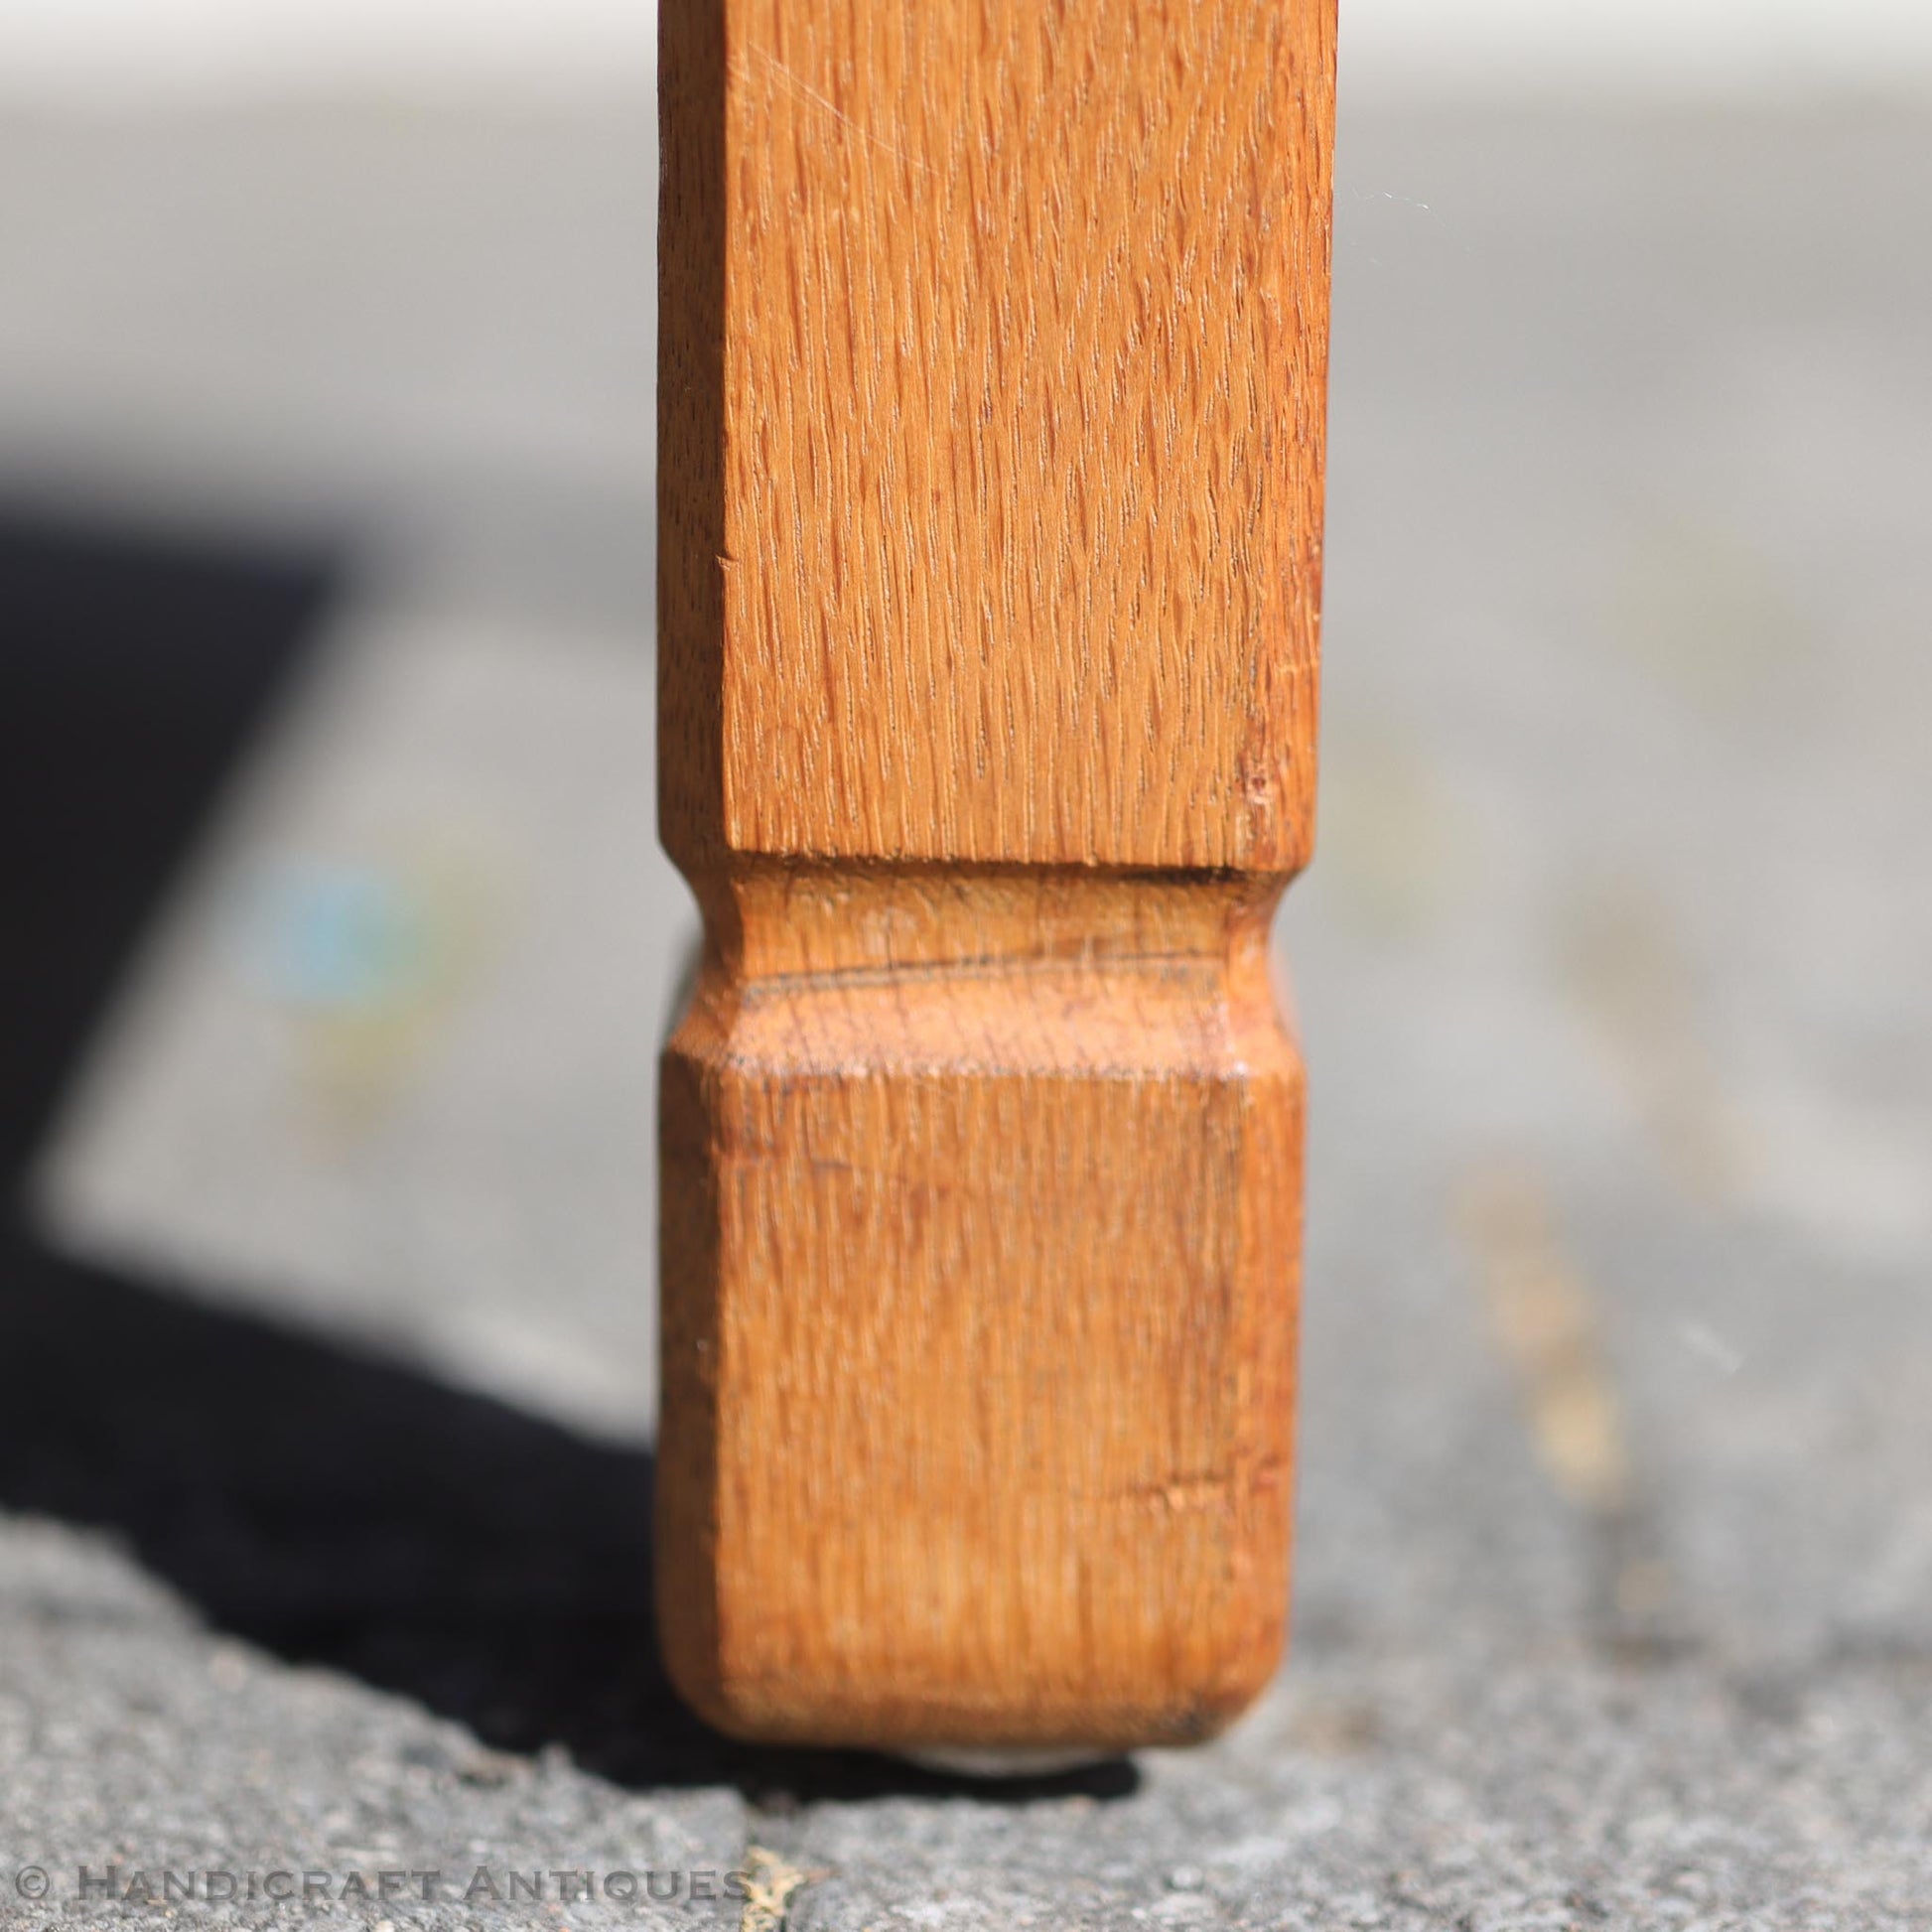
992,383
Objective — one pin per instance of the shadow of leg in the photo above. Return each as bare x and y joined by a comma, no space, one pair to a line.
345,1512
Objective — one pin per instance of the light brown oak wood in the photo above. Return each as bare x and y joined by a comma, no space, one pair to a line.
991,410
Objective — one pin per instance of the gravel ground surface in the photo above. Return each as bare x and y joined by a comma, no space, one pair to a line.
328,1328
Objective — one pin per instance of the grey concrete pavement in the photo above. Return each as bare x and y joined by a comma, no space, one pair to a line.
1615,1592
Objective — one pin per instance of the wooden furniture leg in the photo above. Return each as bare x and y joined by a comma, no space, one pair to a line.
991,410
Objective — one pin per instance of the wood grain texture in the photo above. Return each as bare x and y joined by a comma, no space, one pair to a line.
993,358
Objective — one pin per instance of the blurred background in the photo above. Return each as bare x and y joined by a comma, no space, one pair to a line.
339,948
